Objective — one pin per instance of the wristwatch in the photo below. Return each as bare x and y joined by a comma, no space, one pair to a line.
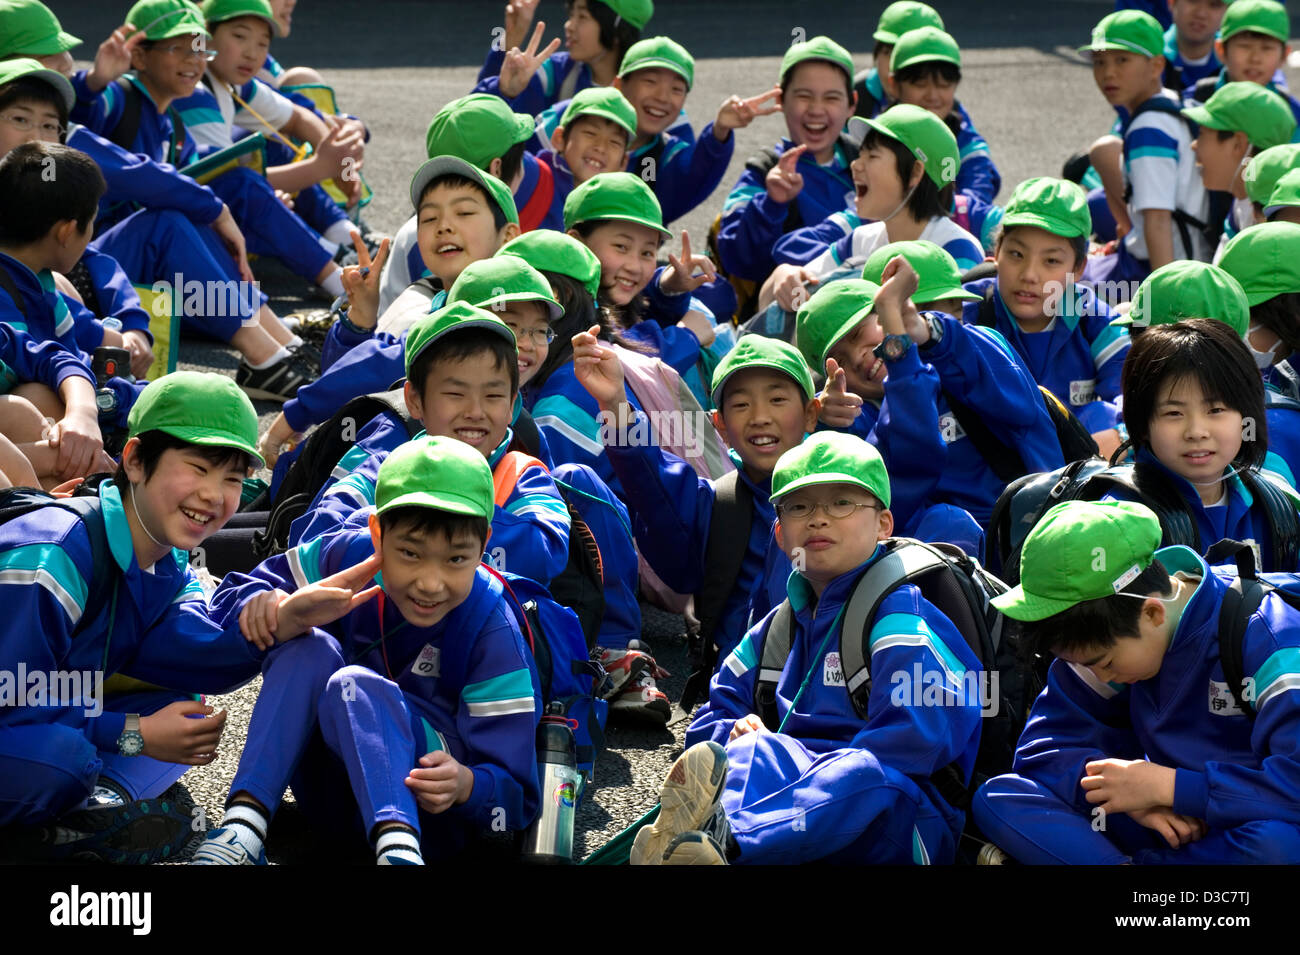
131,743
893,347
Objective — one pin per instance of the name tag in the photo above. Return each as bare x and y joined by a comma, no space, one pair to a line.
950,429
1222,702
1083,391
428,663
832,670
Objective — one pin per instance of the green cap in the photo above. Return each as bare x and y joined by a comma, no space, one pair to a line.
11,70
924,45
495,282
549,251
759,351
832,312
1255,110
1057,206
1256,16
163,19
902,16
604,102
614,195
635,12
1129,30
441,166
1285,194
219,11
31,28
1266,168
438,472
926,135
939,276
478,128
453,317
818,48
831,457
1265,259
1188,289
660,52
198,407
1081,550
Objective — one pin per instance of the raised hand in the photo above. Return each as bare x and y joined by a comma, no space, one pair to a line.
681,276
520,65
327,600
598,369
788,286
519,17
113,58
839,406
783,182
361,283
737,113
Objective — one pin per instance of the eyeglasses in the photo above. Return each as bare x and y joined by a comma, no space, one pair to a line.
538,336
838,510
186,51
26,125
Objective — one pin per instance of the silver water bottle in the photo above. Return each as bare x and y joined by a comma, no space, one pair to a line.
549,840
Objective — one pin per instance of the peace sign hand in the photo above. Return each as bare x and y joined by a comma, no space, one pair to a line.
680,276
737,113
361,283
519,66
327,600
519,17
783,181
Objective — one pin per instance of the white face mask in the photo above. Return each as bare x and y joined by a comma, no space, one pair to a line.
1263,359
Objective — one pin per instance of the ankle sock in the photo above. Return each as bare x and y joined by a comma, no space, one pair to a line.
398,847
281,354
249,825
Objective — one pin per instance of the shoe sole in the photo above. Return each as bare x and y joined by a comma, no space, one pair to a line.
140,833
687,800
693,848
656,712
257,394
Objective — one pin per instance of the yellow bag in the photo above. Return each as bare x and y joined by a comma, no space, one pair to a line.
164,326
324,99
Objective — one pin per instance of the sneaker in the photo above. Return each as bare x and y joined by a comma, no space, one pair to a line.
308,354
626,664
990,854
694,848
345,256
689,800
643,701
278,382
222,847
136,833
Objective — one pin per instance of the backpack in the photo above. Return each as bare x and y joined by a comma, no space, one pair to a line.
1220,202
129,124
1023,503
580,587
553,635
11,289
315,463
84,502
961,589
1284,390
1240,601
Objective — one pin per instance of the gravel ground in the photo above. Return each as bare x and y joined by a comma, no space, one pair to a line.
395,62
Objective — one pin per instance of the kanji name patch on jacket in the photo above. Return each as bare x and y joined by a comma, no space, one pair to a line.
832,670
1083,391
1222,702
428,663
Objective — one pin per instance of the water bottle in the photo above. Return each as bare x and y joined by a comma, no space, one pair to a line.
108,362
549,840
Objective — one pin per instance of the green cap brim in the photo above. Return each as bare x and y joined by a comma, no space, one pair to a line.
495,326
755,363
55,79
1124,45
659,62
1017,604
61,42
1040,221
555,310
1202,117
453,165
635,220
925,295
619,121
849,324
456,505
827,477
208,439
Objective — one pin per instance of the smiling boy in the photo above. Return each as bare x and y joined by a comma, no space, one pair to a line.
594,136
1124,733
420,756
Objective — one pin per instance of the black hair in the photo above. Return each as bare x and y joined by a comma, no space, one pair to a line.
511,160
615,32
1281,316
154,444
580,313
927,201
1094,623
1225,134
940,70
1254,33
43,184
880,47
789,76
458,181
457,346
428,521
1078,243
1207,351
29,88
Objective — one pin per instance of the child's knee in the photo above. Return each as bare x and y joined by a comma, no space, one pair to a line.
45,771
21,419
309,658
349,683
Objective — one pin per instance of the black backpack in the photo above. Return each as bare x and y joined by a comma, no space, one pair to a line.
316,462
124,133
1023,503
1240,601
85,504
961,589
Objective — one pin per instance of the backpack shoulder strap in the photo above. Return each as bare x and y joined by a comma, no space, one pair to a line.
129,124
987,315
776,650
507,473
1004,460
10,287
1286,380
1283,523
105,575
1240,601
395,401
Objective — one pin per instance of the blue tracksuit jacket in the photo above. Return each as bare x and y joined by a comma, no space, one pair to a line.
861,792
1078,358
1242,777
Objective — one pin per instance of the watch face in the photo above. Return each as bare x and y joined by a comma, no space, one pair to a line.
130,744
